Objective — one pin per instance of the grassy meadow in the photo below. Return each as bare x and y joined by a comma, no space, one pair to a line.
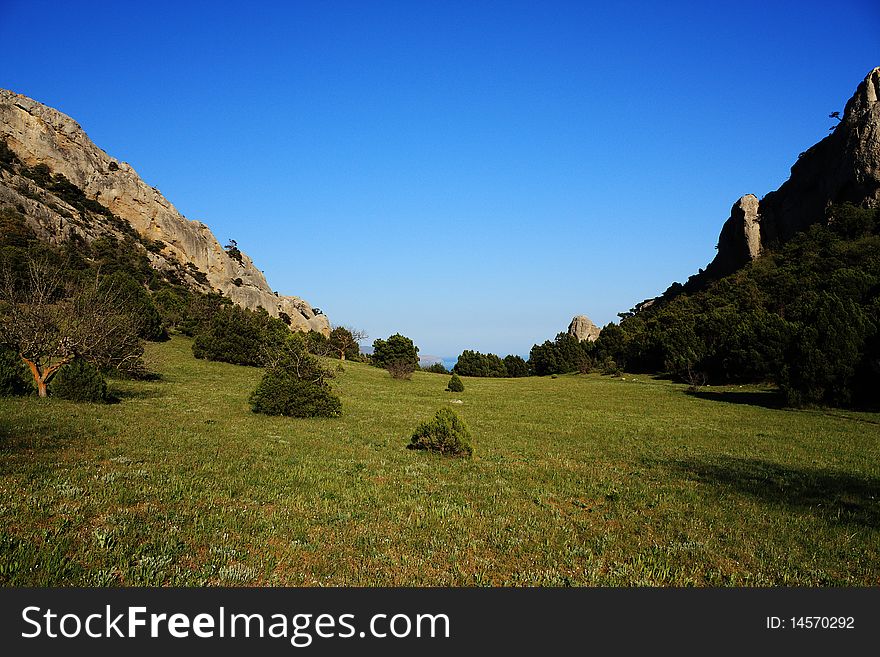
577,480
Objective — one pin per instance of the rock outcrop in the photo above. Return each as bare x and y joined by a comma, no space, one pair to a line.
38,134
843,167
583,329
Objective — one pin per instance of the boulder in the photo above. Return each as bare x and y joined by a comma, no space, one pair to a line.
583,329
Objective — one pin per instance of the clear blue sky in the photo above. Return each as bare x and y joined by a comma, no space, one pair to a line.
471,174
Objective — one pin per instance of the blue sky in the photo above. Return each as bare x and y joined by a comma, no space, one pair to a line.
471,174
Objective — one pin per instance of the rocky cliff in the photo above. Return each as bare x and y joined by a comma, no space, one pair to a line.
39,135
843,167
583,328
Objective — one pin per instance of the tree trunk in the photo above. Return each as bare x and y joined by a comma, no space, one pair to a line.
42,378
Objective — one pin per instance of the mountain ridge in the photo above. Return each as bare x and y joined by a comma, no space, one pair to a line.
39,135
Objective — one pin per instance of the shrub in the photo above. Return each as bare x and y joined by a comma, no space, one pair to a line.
295,383
137,302
233,251
436,368
238,336
445,433
609,367
473,363
396,348
401,369
455,384
516,366
80,381
282,393
317,343
565,354
14,377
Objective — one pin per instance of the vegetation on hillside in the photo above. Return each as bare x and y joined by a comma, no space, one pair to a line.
806,317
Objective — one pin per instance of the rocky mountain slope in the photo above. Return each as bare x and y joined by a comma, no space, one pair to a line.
843,167
68,188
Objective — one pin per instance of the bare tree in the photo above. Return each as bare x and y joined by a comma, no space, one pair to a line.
343,339
49,321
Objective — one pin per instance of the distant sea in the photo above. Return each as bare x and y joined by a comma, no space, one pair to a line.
449,363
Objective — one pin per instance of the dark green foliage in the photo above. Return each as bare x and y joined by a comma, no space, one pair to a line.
14,376
343,344
317,343
609,367
139,304
473,363
284,317
295,383
446,433
804,316
282,393
200,310
455,384
197,274
80,381
109,255
828,345
565,354
233,252
516,366
436,368
396,349
239,336
171,305
237,282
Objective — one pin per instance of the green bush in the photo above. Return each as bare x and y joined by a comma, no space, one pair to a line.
455,384
565,354
445,433
473,363
138,303
436,368
295,383
80,381
609,367
397,348
282,393
238,336
14,376
516,366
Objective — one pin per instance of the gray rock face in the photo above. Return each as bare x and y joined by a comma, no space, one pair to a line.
583,329
38,134
843,167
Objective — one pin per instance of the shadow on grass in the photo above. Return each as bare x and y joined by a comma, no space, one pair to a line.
838,496
765,399
43,438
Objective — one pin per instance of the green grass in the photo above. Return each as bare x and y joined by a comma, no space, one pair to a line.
579,480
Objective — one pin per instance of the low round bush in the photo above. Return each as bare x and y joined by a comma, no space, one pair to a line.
445,433
80,381
455,384
14,376
400,369
281,393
